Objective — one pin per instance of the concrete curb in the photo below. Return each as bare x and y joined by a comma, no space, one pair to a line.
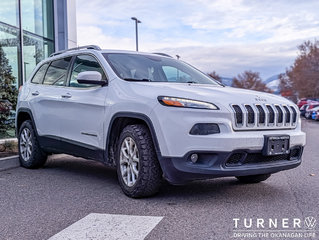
2,141
9,162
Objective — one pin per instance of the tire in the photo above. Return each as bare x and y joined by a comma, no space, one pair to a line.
30,156
307,115
253,178
141,159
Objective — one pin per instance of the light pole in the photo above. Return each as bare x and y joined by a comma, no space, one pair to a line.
136,31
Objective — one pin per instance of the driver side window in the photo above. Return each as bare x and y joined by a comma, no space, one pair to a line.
84,63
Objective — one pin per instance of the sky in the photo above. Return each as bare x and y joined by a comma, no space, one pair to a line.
226,36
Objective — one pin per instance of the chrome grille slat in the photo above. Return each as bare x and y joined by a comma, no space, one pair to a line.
261,115
250,115
288,115
271,114
264,116
294,114
238,114
280,116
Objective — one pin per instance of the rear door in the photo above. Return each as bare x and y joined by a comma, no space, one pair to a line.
46,97
83,113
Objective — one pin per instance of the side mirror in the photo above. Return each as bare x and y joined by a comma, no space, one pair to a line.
91,77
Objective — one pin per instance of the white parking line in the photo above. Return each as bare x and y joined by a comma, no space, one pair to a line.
96,226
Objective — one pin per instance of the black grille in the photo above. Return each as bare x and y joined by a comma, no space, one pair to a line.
239,114
294,114
271,114
295,153
280,114
287,114
261,114
251,114
241,158
235,159
258,158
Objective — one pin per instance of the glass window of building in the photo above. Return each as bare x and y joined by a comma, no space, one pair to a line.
26,38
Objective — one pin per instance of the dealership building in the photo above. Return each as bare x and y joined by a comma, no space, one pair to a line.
30,30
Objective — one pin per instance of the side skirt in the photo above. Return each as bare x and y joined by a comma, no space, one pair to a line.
54,144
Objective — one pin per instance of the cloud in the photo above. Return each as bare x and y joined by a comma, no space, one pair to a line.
228,36
229,60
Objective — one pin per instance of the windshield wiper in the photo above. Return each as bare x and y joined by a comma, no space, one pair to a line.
137,80
191,82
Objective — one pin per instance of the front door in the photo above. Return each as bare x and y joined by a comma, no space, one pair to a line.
84,107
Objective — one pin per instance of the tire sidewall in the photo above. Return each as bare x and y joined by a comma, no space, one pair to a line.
128,190
27,125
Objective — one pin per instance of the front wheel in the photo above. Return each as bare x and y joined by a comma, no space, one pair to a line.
138,169
30,153
253,178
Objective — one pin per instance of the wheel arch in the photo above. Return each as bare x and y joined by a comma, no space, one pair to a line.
24,114
117,124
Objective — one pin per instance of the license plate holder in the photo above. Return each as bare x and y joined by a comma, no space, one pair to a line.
276,145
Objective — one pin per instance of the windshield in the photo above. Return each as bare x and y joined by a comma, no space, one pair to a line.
138,67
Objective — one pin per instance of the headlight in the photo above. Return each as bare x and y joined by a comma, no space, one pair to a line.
183,102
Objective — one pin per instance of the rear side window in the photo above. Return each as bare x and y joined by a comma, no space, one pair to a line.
57,72
38,77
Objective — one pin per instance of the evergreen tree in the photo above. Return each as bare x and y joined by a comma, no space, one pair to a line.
8,91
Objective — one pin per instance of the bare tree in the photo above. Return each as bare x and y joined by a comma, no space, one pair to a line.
304,73
286,87
250,80
215,76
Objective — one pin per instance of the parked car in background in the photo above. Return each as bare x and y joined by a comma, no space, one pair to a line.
303,109
304,101
310,109
316,115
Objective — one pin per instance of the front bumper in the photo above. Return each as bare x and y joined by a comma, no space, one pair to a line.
225,164
174,138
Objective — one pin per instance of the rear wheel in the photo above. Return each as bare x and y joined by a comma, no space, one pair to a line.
138,169
30,153
253,178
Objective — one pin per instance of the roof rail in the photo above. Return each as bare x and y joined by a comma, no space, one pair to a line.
95,47
163,54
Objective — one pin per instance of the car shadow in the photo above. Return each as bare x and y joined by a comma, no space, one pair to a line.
224,189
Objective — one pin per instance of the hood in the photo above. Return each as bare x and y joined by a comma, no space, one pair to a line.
216,94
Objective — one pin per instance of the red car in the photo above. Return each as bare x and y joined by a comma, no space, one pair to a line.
304,101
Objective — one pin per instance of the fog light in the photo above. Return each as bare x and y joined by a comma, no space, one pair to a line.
194,158
204,129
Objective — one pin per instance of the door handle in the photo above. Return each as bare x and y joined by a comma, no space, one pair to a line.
67,95
36,93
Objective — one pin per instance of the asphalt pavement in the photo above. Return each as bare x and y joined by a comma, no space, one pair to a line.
37,204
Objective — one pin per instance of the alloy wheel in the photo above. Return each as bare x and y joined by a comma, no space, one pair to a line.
129,161
26,144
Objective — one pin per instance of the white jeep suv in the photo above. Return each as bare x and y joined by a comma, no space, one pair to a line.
152,116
